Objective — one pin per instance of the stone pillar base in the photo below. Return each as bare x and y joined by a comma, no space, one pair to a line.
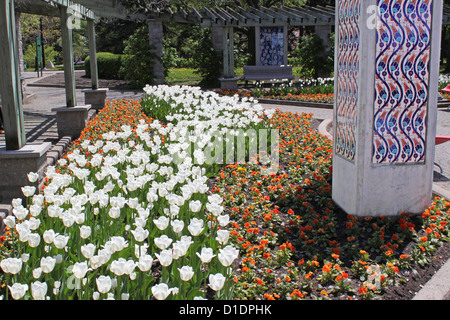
71,121
228,83
95,97
16,164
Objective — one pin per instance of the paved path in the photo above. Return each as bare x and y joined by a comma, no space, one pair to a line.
40,120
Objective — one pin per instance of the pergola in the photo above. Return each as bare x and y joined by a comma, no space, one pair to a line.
271,23
67,10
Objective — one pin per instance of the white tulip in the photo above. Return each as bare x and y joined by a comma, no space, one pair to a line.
80,269
10,221
25,257
114,212
18,290
11,265
177,226
35,210
195,227
165,257
47,264
162,222
33,240
16,202
227,255
163,242
223,236
28,191
161,291
20,212
104,284
38,290
216,281
88,250
32,177
195,205
85,232
206,255
140,234
49,236
186,273
145,263
37,272
215,199
223,220
118,267
215,209
60,241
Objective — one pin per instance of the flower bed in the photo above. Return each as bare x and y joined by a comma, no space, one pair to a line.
296,244
310,90
132,212
303,97
121,216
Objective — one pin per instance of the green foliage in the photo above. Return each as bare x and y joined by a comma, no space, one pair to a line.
138,59
29,55
311,57
108,65
111,34
208,61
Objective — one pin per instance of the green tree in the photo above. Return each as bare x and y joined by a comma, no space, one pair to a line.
208,61
138,59
310,56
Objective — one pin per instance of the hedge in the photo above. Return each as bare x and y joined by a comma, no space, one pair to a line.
108,65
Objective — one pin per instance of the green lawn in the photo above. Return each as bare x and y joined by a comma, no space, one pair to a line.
183,76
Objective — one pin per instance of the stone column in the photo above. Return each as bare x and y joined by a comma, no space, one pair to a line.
228,81
95,96
323,32
72,118
10,86
386,85
155,31
19,42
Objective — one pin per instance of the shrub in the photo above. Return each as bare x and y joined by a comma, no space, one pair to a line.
208,61
311,57
29,55
108,65
138,59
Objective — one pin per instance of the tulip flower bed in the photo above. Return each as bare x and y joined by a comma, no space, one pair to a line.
126,214
130,212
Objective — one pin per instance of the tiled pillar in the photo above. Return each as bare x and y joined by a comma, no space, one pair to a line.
155,30
386,84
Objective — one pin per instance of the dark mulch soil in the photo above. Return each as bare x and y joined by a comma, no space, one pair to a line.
82,82
418,276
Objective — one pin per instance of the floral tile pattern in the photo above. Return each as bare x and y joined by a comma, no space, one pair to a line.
271,41
347,78
402,76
